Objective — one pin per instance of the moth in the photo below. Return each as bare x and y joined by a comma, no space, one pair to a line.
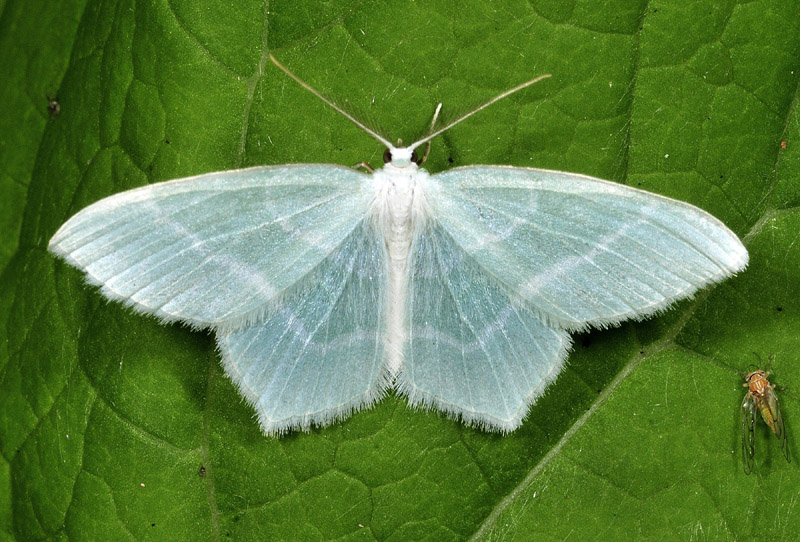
326,287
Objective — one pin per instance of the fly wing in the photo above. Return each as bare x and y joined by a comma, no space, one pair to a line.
472,350
318,355
214,250
748,415
779,428
582,251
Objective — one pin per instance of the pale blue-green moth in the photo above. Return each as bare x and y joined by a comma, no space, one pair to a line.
327,286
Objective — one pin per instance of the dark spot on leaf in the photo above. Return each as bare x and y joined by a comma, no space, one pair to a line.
202,471
450,159
53,106
166,141
779,309
600,391
152,525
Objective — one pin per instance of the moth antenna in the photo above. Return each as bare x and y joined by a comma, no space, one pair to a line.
319,95
364,165
479,108
428,145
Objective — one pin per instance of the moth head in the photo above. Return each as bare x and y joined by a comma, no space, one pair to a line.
400,157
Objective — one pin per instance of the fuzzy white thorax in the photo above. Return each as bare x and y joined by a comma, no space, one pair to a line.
400,209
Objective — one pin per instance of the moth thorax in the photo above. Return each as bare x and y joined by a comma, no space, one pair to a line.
400,205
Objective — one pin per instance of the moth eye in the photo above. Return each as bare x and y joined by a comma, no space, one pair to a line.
387,156
415,158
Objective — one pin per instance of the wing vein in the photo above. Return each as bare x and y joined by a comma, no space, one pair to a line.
600,246
464,319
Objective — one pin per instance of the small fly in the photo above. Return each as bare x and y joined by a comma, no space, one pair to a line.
760,397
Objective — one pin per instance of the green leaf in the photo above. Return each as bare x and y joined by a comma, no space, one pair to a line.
114,427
